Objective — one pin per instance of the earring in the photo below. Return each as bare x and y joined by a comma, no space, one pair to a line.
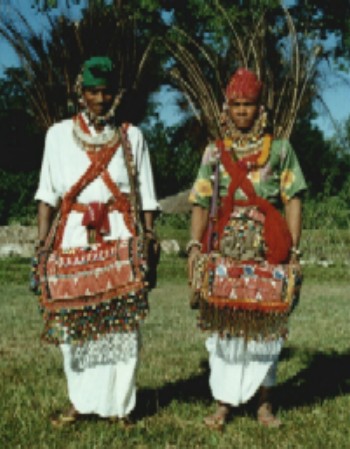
263,119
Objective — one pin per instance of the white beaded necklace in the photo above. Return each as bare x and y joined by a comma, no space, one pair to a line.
96,140
245,143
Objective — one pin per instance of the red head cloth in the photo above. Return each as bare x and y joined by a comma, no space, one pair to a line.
244,84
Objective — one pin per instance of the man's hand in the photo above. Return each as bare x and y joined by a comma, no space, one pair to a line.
193,254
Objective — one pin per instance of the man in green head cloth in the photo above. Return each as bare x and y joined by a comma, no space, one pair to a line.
97,88
97,71
99,342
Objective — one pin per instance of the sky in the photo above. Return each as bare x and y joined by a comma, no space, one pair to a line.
335,92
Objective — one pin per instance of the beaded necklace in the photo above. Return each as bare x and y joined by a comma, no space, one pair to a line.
250,148
93,142
256,158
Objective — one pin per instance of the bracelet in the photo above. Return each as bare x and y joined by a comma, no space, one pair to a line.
150,231
39,244
295,251
193,243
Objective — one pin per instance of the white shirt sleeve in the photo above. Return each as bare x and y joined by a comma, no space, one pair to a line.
144,169
46,191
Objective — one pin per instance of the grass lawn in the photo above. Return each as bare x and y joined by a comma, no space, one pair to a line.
313,391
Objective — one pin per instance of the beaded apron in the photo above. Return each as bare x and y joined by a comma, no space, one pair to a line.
98,289
244,284
240,292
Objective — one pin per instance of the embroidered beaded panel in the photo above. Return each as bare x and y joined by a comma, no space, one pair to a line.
94,290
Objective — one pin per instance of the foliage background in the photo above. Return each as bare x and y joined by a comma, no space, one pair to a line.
175,150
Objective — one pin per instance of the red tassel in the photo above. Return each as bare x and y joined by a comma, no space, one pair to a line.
96,216
277,237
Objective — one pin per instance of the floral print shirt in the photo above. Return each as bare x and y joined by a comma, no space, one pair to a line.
279,180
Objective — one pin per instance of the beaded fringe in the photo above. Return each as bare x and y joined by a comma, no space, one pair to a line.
249,324
121,314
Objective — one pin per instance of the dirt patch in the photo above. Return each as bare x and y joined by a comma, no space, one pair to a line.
176,204
17,240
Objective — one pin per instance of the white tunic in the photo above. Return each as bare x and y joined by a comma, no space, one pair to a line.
100,374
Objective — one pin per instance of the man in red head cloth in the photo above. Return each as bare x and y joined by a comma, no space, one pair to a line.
243,183
244,84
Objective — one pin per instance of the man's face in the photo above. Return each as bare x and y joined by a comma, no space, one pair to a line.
98,99
243,113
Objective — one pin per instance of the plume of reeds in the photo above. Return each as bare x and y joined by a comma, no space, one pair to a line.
189,75
51,61
287,69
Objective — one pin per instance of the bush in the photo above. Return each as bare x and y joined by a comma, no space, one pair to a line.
326,213
17,197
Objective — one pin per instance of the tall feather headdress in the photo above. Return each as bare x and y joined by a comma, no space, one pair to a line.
287,69
49,66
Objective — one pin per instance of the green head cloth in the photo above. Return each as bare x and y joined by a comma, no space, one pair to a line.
97,71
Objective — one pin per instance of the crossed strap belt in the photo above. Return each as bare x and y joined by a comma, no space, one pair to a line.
95,215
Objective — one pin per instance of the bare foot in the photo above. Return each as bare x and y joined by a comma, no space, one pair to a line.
217,420
266,417
126,422
68,416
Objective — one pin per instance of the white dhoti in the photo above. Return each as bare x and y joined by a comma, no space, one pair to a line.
101,374
238,368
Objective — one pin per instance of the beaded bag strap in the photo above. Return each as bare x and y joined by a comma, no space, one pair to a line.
131,169
97,166
55,235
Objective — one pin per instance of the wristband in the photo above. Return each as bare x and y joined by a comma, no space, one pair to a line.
39,244
149,231
295,251
193,243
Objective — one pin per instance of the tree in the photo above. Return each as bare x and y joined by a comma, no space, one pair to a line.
220,28
21,139
50,66
339,180
323,20
174,161
315,156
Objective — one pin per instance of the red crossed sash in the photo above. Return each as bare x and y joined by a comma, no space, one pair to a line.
276,233
94,214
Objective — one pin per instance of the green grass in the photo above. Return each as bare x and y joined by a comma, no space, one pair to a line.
313,391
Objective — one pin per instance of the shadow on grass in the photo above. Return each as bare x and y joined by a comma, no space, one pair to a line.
326,376
193,389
